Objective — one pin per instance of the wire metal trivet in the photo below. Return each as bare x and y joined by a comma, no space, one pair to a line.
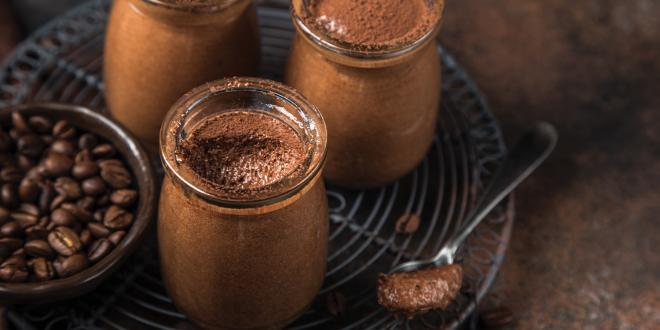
62,62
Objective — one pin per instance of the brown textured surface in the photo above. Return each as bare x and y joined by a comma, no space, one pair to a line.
584,249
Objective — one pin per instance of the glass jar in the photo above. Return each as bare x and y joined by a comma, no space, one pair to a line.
237,263
156,50
380,104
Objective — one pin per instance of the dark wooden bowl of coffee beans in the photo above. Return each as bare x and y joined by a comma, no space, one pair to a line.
77,196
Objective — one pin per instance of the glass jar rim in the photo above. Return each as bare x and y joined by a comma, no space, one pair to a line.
354,51
174,121
205,7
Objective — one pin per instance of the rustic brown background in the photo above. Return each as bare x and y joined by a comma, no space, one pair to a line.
583,253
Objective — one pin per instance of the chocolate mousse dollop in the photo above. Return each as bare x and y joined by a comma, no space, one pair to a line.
417,292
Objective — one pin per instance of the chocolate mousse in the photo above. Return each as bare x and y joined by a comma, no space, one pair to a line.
412,293
374,23
240,153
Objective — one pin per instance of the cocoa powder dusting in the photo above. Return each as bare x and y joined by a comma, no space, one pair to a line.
374,23
240,153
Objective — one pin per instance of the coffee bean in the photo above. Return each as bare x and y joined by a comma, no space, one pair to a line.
64,147
407,224
83,156
62,217
39,248
85,169
20,124
57,202
103,151
98,230
4,215
26,215
86,237
124,197
37,232
29,191
34,174
25,163
64,240
20,253
68,187
117,218
47,139
72,265
496,318
10,175
30,145
94,186
80,213
11,229
15,260
117,176
11,243
40,124
99,215
116,237
13,274
43,269
99,249
46,197
6,142
87,141
103,201
335,304
9,196
63,130
56,165
87,203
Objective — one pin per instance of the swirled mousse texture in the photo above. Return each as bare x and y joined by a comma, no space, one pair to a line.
375,23
417,292
241,154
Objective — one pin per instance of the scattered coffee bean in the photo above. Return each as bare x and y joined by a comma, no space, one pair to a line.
99,249
57,165
496,318
40,124
39,248
85,169
63,130
87,141
94,186
116,237
63,147
72,265
65,199
43,269
407,224
335,304
124,197
68,187
117,218
65,241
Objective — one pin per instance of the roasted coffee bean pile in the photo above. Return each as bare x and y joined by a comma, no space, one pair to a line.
66,199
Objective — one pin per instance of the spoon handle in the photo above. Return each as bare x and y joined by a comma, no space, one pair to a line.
532,149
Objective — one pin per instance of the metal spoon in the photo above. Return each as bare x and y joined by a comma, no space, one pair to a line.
532,149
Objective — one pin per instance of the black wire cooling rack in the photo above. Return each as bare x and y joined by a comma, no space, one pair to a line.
62,62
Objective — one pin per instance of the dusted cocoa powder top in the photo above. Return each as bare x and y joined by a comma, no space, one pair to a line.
375,23
240,153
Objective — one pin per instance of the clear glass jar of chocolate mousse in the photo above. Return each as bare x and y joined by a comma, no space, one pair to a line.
156,50
243,222
372,69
